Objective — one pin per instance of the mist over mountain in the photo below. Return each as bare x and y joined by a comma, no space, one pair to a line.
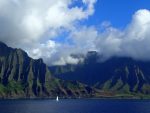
24,77
121,74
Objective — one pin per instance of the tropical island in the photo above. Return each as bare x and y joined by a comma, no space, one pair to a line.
24,77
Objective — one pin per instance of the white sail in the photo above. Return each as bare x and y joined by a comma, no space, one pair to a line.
57,99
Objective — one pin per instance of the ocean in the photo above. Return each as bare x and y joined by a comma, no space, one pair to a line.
75,106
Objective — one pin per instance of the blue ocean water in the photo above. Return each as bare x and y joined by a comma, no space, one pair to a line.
75,106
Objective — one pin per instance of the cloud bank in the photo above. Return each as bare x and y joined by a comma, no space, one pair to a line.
133,41
32,24
51,29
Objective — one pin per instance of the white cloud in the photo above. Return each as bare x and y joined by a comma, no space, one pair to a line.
33,26
26,21
84,38
133,41
68,60
44,50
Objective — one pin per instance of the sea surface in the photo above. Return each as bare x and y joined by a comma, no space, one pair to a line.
75,106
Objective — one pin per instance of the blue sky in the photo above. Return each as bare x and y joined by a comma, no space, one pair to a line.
55,29
117,12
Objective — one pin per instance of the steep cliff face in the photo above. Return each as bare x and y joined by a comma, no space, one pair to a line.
127,79
22,76
16,68
117,74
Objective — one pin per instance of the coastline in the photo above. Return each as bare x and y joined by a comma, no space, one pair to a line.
101,98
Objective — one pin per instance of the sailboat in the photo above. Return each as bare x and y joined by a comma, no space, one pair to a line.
57,99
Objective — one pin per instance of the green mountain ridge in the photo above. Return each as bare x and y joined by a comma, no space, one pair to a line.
121,81
117,75
24,77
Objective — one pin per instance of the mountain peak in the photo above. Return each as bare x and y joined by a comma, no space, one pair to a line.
2,45
118,74
22,76
4,49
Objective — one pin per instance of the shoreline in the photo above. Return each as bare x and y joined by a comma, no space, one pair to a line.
76,98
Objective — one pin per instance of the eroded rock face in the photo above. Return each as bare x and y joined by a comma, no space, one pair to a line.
17,68
22,76
117,74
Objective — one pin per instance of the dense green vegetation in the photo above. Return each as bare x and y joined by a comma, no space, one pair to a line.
118,75
24,77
